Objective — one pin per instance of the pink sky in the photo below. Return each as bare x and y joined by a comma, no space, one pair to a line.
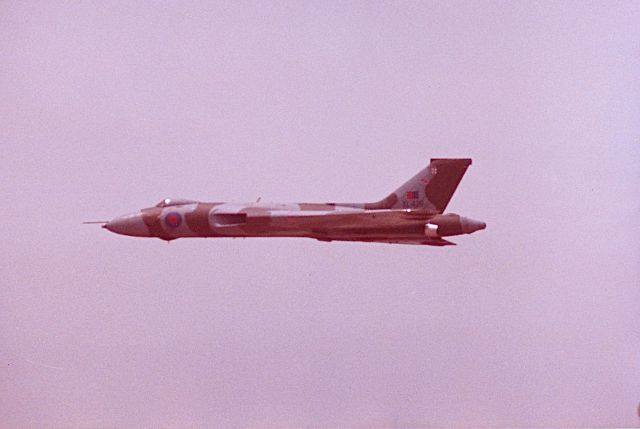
108,107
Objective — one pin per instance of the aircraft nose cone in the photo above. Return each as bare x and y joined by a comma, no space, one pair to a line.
131,224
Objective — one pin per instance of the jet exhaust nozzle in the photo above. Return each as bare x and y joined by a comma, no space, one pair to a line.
431,231
451,224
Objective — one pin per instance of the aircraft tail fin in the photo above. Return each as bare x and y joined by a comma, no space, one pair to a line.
432,188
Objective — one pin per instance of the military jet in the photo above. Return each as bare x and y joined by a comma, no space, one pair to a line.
412,214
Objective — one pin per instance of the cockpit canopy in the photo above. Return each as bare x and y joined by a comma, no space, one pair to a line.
168,202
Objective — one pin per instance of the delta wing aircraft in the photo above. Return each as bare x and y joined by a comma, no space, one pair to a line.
413,214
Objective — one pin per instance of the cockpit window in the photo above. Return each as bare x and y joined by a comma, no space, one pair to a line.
168,202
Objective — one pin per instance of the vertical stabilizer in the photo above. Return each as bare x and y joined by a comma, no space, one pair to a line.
432,188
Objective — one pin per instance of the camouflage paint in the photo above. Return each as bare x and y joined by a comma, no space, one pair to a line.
198,219
410,215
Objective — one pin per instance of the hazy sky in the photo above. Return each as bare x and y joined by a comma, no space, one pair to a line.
108,107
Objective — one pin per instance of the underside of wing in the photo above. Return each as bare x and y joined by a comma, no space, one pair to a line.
370,219
414,241
405,226
381,226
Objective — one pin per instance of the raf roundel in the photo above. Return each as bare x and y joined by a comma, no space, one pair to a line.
173,219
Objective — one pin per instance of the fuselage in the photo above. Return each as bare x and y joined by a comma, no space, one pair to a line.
172,219
412,214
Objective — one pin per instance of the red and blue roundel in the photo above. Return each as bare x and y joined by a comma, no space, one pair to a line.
173,219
